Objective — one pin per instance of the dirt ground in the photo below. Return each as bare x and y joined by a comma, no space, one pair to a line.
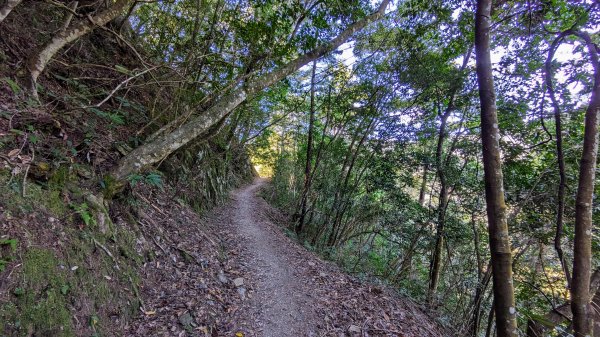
234,272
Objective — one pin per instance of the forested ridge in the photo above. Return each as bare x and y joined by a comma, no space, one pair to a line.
442,155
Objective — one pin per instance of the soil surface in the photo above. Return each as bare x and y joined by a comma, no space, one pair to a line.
234,272
281,303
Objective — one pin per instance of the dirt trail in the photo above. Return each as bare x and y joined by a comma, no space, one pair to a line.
280,302
234,271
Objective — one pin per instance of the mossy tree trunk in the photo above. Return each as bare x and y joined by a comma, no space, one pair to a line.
154,151
38,61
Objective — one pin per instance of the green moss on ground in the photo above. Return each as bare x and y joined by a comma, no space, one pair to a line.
49,293
42,301
36,196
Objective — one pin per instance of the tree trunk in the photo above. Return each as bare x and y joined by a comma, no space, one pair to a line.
484,280
436,257
560,207
423,189
341,206
309,150
441,165
7,8
582,248
504,302
490,320
38,61
153,152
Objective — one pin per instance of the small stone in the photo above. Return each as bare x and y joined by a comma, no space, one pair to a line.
354,328
312,264
186,320
322,274
238,282
222,277
242,292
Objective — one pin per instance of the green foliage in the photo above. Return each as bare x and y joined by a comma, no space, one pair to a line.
376,170
114,117
7,249
85,214
14,86
152,179
363,204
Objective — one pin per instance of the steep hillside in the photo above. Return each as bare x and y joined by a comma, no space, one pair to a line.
72,253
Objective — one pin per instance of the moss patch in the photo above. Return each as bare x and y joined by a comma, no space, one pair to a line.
12,199
42,301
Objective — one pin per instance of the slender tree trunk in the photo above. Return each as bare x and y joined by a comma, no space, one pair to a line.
476,246
484,280
309,152
560,207
406,265
436,257
423,189
339,192
504,302
582,252
38,61
156,150
7,8
441,165
490,320
341,207
434,273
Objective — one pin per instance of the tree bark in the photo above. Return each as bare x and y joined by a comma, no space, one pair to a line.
153,152
309,151
7,8
582,248
504,303
37,62
69,16
490,320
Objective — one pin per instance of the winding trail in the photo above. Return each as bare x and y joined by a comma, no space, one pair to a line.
280,301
